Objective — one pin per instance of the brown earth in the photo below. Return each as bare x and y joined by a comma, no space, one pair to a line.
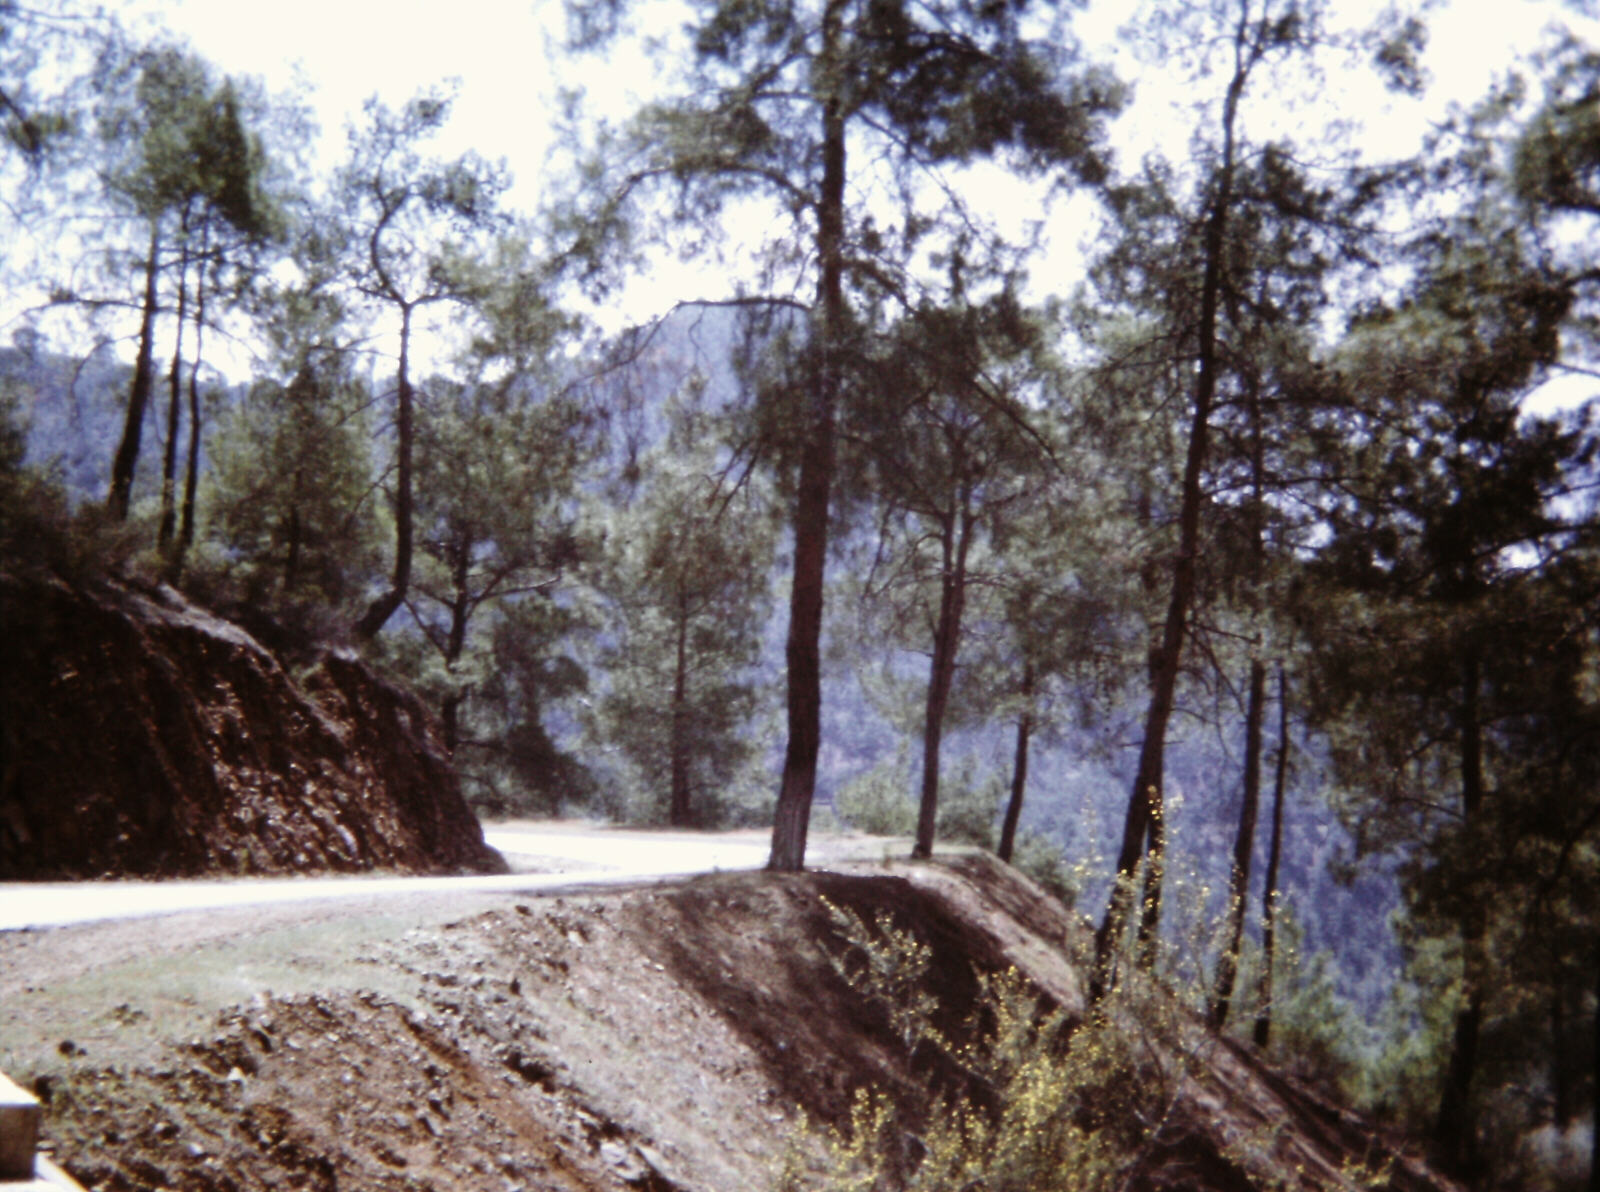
143,736
665,1037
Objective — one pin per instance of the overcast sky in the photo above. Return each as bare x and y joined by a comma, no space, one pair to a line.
502,52
499,49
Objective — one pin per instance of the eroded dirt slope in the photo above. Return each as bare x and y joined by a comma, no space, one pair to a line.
143,736
659,1038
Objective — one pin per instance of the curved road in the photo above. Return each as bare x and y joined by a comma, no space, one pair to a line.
546,858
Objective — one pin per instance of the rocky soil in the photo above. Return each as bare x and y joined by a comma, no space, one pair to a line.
143,736
672,1037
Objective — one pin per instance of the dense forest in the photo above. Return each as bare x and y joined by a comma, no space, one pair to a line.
1242,584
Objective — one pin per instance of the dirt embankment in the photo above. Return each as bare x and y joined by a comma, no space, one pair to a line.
664,1038
143,736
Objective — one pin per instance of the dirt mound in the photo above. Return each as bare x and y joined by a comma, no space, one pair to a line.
142,736
688,1037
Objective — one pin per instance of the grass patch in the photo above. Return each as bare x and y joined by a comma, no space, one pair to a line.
121,1012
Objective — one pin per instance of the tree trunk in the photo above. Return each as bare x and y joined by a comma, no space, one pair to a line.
792,816
1269,896
1594,1152
678,809
1143,824
381,609
127,458
455,643
941,674
1455,1134
169,462
1562,1108
1019,768
291,557
1243,846
191,473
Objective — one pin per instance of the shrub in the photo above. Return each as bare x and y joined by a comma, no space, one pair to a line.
876,801
1049,1100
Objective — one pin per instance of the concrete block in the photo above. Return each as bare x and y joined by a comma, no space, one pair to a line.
47,1177
19,1130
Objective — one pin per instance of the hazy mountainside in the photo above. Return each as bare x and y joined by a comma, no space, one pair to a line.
145,736
72,410
676,1038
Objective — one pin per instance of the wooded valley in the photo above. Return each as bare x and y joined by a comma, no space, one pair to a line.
1242,586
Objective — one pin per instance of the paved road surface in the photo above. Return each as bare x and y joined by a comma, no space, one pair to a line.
553,858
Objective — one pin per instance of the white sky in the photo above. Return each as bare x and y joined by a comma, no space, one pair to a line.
502,52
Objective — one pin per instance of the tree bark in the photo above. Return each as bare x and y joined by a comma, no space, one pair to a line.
127,457
381,609
1594,1153
1455,1134
678,809
1142,827
291,556
1269,896
1019,768
1243,846
191,474
169,463
1562,1108
455,643
792,817
955,541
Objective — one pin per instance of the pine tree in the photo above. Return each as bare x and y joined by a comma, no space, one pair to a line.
1442,647
686,575
411,233
786,103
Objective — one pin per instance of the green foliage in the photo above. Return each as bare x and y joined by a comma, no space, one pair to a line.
1042,860
512,762
878,800
1043,1100
889,966
289,498
39,525
969,803
1317,1034
686,580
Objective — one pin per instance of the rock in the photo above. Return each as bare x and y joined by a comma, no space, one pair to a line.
144,736
623,1160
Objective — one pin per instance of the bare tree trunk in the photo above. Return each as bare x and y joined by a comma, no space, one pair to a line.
1455,1134
678,809
1143,825
1243,846
1269,896
291,557
946,642
803,652
1019,768
169,463
1594,1153
127,458
191,474
381,609
460,611
1563,1108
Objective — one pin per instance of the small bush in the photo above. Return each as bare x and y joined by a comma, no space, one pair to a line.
1043,861
876,802
969,803
1049,1101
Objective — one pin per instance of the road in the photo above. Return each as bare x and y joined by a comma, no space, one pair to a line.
546,858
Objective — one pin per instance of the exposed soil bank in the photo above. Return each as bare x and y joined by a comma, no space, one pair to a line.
143,736
659,1038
